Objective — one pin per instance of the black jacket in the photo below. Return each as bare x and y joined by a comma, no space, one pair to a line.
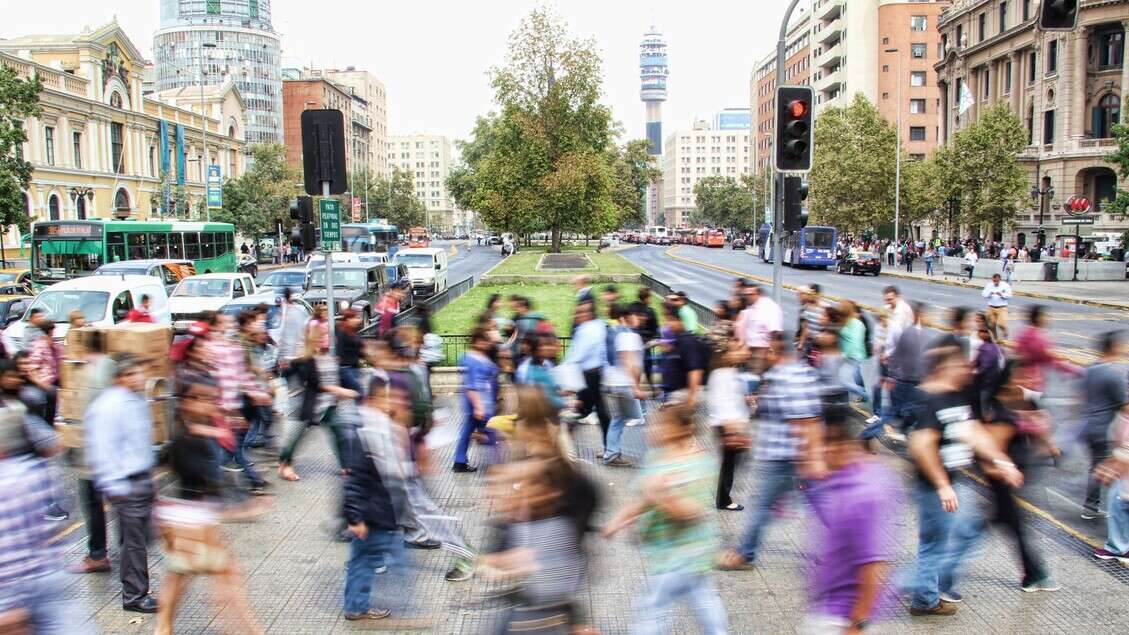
366,498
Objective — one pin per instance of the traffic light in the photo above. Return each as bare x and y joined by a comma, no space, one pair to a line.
795,193
1058,15
302,209
793,128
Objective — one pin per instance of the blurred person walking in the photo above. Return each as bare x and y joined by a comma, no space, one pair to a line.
589,353
1035,353
480,397
677,530
729,416
622,379
761,318
997,293
118,429
684,361
1103,398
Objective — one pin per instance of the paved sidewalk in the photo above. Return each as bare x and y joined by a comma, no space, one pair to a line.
1112,293
295,574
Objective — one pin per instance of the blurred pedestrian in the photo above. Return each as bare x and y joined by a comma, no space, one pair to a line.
678,531
1034,351
685,361
997,293
729,416
480,397
589,353
1103,398
143,313
622,381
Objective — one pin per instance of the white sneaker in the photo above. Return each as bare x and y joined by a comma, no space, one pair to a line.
873,419
631,423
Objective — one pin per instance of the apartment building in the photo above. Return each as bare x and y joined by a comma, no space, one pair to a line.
314,94
100,148
694,154
428,159
1067,87
797,72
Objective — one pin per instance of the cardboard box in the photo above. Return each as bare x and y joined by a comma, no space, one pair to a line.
144,340
71,435
69,408
74,345
70,371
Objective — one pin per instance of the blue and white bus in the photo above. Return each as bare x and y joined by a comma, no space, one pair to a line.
812,246
370,237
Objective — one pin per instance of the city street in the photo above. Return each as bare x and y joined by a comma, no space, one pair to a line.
469,259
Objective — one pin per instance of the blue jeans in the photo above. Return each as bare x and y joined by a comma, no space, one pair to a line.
934,525
668,588
470,424
624,407
351,380
928,266
378,548
850,375
905,401
52,608
775,479
1118,523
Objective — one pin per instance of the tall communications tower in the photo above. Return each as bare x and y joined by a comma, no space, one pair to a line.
652,90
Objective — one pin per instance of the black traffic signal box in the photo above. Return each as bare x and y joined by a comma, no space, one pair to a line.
794,128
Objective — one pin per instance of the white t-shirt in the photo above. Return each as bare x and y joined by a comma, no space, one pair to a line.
726,390
629,342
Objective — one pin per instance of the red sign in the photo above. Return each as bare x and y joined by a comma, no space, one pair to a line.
356,208
1076,205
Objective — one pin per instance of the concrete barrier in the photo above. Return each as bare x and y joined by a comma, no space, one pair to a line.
1093,270
1033,271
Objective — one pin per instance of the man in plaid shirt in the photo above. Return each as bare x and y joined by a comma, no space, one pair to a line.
33,588
788,441
235,380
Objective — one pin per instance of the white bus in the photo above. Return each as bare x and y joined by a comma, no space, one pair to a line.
658,235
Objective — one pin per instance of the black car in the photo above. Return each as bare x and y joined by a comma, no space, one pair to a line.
355,285
861,262
737,243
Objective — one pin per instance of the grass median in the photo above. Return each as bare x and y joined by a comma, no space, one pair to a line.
525,262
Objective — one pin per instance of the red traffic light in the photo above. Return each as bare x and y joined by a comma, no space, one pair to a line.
797,108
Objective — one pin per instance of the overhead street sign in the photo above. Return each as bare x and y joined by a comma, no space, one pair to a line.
330,212
1078,220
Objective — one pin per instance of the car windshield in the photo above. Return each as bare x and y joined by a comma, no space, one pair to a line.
203,288
864,255
285,279
59,304
8,277
349,278
121,271
415,260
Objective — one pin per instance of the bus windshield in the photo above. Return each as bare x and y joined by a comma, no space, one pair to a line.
820,238
62,259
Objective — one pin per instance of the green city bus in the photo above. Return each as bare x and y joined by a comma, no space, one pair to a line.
61,250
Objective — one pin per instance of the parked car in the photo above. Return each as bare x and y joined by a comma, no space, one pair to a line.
373,257
206,292
12,307
272,299
103,301
737,243
13,280
494,240
427,269
355,285
171,271
318,260
292,277
859,263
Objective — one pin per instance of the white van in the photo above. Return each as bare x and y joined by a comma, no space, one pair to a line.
103,301
427,269
318,260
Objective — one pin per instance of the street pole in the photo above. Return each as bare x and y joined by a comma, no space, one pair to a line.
366,193
329,280
778,195
204,124
1077,244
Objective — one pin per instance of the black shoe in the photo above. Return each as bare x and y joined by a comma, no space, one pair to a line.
147,604
56,513
258,489
427,543
231,466
463,468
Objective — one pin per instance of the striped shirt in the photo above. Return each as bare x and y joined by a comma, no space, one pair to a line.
25,548
788,392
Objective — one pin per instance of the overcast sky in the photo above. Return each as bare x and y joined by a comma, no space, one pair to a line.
433,55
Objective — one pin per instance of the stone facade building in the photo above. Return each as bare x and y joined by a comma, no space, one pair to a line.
1069,89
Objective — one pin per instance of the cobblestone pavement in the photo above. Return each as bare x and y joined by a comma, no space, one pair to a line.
295,573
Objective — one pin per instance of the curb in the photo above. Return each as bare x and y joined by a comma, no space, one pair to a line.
1028,294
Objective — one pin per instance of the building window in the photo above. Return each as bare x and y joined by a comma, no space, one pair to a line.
987,84
76,138
917,133
1106,114
253,8
80,208
918,50
1031,66
1003,17
117,148
152,161
918,23
1111,50
1030,125
1052,57
917,78
1026,10
917,106
960,35
212,7
916,157
1048,127
981,27
1007,77
49,145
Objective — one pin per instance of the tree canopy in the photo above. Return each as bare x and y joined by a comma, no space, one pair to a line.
261,196
393,199
19,99
548,161
1120,158
725,202
983,168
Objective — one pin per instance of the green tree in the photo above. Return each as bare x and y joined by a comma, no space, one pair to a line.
985,169
1120,158
634,173
393,199
261,196
723,202
927,188
19,99
853,168
547,160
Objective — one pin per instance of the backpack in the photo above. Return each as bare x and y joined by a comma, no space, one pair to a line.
867,336
706,352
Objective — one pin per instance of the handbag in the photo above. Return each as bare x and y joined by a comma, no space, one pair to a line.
193,542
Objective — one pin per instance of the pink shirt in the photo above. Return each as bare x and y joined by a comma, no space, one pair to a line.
1035,352
759,321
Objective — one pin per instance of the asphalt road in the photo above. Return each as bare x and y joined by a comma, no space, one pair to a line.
469,259
1056,489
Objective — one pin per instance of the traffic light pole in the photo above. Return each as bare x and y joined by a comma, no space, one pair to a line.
330,304
778,180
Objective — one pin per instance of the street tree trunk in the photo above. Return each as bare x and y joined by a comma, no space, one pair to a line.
555,236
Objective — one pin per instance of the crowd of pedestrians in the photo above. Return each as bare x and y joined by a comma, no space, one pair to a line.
804,403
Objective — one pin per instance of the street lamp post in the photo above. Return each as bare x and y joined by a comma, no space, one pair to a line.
204,120
898,146
1041,198
954,203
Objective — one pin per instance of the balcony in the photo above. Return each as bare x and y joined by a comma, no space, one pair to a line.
828,10
829,32
831,80
829,56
